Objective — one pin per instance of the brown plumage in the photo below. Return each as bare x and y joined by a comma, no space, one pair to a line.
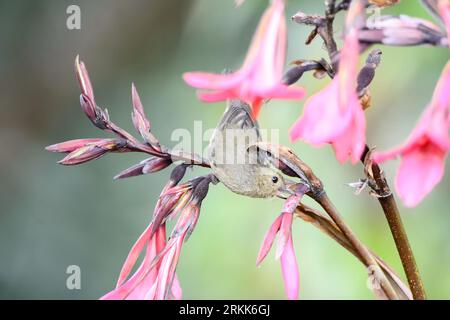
242,169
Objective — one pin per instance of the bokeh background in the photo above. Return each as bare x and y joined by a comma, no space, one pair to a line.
53,216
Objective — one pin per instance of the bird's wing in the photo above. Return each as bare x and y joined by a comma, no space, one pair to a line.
239,116
238,124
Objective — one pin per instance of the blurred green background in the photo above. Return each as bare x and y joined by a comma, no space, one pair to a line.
53,216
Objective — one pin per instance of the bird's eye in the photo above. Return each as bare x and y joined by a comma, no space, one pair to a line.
274,179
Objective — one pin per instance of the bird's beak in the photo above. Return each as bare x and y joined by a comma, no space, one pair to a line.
286,191
290,188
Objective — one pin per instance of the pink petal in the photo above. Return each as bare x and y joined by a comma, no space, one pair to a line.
420,171
168,265
286,223
334,115
260,76
177,292
441,95
267,52
286,92
133,255
268,239
352,141
322,119
285,233
144,278
71,145
348,68
290,272
216,96
83,79
140,121
211,81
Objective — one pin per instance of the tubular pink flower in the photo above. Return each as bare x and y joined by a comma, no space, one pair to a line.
155,279
285,249
423,155
142,281
334,115
260,77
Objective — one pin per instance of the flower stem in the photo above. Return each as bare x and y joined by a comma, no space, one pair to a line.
390,209
364,253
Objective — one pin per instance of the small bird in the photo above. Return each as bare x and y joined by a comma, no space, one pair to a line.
243,169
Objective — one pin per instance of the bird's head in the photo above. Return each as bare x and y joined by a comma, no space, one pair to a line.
270,183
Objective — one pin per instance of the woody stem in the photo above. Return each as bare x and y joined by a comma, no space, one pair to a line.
390,209
364,253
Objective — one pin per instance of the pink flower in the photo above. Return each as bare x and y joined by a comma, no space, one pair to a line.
155,279
285,248
423,155
260,77
151,280
334,115
84,150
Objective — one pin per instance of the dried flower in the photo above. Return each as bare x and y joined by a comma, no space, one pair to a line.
402,31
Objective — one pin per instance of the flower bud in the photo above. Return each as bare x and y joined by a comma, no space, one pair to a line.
91,151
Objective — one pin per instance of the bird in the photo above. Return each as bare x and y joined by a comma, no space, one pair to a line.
236,162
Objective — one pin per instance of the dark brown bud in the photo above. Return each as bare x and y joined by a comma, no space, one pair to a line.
201,190
178,173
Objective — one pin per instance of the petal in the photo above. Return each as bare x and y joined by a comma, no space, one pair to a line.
352,141
211,81
285,92
420,170
380,157
168,265
260,76
268,239
322,119
348,72
269,49
176,289
145,278
290,272
139,285
133,255
285,233
265,34
441,95
256,108
216,96
71,145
